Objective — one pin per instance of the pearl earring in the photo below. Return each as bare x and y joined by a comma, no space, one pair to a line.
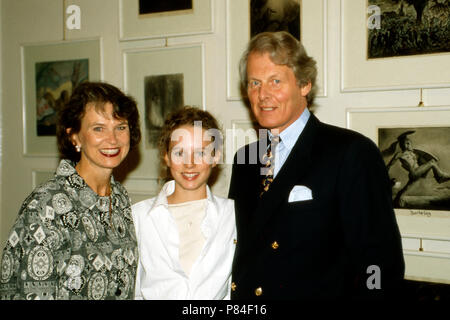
78,148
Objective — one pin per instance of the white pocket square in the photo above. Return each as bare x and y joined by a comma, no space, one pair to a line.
300,193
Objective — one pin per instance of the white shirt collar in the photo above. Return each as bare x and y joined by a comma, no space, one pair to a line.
290,135
169,188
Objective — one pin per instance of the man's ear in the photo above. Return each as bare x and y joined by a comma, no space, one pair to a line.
306,89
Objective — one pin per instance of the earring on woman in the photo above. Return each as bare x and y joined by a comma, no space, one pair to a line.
78,148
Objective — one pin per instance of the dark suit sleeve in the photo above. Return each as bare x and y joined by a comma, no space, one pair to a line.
239,172
371,233
233,182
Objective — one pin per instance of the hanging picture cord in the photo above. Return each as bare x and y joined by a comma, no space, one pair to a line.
64,19
421,104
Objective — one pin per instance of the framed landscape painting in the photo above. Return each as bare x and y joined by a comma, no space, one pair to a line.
49,74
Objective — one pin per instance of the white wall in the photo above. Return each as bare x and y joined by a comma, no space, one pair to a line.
31,21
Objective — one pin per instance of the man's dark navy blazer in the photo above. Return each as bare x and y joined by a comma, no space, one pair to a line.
321,248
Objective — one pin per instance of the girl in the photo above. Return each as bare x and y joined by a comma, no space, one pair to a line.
186,235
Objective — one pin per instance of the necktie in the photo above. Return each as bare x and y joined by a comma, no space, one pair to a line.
269,164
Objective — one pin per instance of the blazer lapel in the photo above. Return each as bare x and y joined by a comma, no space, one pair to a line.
296,165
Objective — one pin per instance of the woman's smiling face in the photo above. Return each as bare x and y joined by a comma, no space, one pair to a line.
104,140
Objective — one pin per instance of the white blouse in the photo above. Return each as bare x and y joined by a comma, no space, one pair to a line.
160,274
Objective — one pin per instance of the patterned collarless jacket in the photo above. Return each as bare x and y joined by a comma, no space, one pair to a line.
70,243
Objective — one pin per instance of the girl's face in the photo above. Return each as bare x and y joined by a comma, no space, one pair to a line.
191,157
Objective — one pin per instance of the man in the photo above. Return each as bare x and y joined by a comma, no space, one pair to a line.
324,227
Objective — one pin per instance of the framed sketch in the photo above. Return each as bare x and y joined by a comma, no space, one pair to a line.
50,72
384,45
408,27
255,16
143,19
275,16
414,143
163,94
418,162
162,80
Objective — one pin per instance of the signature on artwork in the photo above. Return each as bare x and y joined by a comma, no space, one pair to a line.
421,212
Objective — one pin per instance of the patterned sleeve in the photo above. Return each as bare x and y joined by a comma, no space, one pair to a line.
35,252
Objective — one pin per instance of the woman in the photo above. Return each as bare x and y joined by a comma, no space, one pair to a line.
74,237
186,235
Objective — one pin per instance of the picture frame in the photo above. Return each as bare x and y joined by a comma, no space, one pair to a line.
425,233
403,28
133,26
50,68
144,63
313,36
358,73
272,16
412,222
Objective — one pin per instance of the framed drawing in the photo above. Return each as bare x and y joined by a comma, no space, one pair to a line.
143,19
308,22
162,80
418,164
408,27
275,16
163,94
49,73
414,143
373,57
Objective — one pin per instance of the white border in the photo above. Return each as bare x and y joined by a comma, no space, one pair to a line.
48,146
148,165
366,121
396,73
